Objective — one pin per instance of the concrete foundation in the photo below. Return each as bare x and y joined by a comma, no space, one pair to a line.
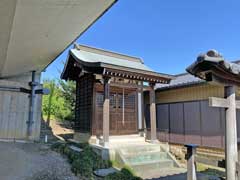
82,137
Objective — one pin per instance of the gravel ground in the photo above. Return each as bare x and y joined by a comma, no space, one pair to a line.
32,161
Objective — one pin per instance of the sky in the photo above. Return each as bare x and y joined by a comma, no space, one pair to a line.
167,34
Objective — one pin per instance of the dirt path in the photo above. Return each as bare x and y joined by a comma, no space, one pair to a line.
59,129
20,161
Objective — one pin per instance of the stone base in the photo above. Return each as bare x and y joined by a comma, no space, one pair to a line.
82,137
155,141
105,153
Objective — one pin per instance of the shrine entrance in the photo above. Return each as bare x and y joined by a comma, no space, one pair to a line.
109,93
123,110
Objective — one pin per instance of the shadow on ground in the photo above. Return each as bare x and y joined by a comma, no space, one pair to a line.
66,136
56,131
183,176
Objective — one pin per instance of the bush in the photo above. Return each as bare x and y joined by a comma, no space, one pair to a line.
124,174
87,161
83,163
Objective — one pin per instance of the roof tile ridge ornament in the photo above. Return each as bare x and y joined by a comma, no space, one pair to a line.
212,66
76,46
211,55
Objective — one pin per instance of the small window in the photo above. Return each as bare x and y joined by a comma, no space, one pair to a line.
129,100
99,98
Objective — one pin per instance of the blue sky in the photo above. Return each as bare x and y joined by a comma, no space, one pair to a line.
166,34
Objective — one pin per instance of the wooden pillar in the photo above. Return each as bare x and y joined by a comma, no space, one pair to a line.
231,154
153,121
143,108
139,107
106,114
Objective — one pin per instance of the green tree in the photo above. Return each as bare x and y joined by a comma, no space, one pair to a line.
60,102
68,91
50,97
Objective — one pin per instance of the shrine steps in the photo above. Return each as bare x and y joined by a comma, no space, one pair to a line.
148,160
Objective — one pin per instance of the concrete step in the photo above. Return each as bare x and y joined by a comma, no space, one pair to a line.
161,173
153,165
146,157
126,139
120,140
140,149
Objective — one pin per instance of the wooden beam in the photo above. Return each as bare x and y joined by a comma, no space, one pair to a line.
151,77
237,104
218,102
125,85
221,102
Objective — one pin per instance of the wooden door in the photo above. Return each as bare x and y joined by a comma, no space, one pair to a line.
99,113
123,111
126,111
127,107
114,115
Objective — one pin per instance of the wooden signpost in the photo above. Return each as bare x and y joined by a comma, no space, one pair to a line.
231,152
213,68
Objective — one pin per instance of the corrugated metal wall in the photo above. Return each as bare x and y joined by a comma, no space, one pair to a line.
184,116
14,108
191,123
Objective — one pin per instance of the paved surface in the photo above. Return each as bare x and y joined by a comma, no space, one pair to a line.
22,161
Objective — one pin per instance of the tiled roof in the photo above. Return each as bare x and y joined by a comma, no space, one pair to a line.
99,57
180,80
211,66
91,55
187,79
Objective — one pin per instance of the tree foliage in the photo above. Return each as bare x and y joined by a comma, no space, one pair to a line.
60,102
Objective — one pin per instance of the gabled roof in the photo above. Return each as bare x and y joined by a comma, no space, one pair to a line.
184,80
114,64
94,55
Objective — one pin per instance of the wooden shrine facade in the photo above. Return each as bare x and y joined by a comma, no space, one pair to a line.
109,92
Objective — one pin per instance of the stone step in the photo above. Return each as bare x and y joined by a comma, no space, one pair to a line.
140,149
153,165
120,140
161,173
146,157
127,140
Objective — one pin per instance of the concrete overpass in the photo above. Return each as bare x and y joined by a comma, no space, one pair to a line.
32,34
